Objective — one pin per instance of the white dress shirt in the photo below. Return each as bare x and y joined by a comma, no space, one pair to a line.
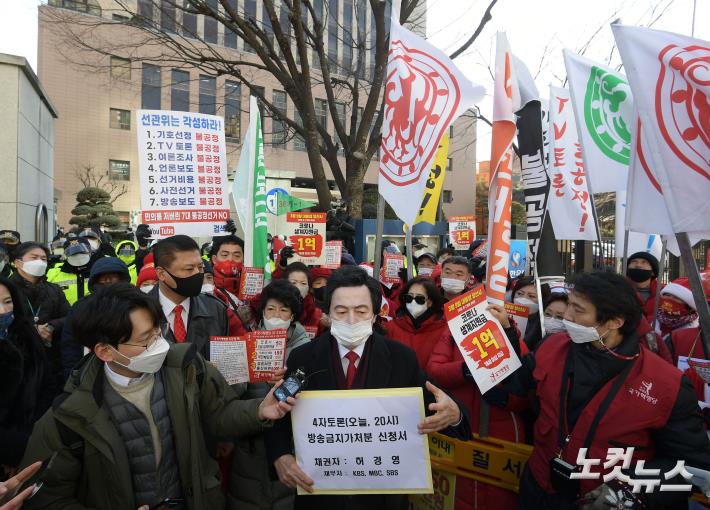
345,361
121,380
169,308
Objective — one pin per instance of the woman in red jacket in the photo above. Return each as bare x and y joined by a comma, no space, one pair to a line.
498,408
419,321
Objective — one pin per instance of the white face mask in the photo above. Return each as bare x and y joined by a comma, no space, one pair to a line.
150,360
94,243
276,323
147,288
554,325
351,335
533,306
415,309
207,288
303,289
452,285
79,260
425,271
581,334
34,267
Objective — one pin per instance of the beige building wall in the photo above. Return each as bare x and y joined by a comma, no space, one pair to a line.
26,152
85,94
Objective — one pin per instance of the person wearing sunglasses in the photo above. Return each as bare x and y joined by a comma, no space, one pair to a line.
419,321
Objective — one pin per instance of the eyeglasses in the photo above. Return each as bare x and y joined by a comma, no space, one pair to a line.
152,342
418,298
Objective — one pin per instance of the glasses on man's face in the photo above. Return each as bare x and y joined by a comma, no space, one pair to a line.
151,342
418,298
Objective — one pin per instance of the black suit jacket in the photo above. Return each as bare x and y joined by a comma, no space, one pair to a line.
207,317
390,364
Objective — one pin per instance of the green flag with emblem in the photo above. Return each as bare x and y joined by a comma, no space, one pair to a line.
604,111
288,203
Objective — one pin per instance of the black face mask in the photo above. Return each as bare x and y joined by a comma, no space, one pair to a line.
187,287
319,294
639,275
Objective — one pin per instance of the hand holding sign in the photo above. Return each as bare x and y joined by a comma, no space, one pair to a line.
291,475
446,412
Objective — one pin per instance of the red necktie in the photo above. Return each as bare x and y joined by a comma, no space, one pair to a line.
352,369
178,325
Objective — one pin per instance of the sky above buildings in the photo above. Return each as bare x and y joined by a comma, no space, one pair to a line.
537,31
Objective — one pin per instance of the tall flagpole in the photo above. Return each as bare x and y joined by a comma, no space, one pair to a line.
379,229
661,272
696,286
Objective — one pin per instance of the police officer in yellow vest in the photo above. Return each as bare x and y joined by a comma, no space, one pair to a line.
126,251
73,275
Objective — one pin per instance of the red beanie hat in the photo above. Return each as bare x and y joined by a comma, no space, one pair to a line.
147,272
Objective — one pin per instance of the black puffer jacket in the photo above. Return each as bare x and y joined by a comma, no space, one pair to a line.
27,390
48,302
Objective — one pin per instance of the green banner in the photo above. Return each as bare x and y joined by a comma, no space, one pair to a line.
287,203
260,244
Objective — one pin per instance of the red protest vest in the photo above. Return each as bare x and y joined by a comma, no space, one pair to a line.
642,405
683,340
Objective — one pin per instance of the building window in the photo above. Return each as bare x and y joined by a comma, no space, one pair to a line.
208,94
120,68
211,23
87,6
232,110
347,34
230,38
333,34
448,196
249,14
180,91
120,119
340,112
298,141
119,170
449,164
189,22
150,88
167,16
318,8
145,12
278,127
321,109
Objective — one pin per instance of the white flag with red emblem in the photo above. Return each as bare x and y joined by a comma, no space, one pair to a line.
669,76
506,101
424,94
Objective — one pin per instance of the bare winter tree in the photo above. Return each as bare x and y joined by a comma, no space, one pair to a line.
90,177
292,41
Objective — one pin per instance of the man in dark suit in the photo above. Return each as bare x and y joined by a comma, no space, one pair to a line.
352,356
191,316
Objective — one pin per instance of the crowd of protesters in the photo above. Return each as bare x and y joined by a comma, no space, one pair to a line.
106,378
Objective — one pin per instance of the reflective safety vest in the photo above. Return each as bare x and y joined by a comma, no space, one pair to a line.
641,406
69,284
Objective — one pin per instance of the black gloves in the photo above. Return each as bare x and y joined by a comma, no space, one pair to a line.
286,253
230,226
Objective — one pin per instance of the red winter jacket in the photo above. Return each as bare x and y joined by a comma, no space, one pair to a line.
446,368
647,336
421,338
236,327
649,392
648,305
310,317
681,344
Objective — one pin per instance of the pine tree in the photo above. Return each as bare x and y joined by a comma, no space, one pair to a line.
94,209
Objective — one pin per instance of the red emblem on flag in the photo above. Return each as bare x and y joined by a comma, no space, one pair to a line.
683,104
421,98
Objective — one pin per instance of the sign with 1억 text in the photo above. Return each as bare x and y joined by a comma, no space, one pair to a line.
253,357
306,234
182,159
481,339
462,231
362,441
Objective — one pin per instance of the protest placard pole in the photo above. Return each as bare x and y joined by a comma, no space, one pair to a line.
408,246
625,254
379,229
538,289
661,271
696,286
